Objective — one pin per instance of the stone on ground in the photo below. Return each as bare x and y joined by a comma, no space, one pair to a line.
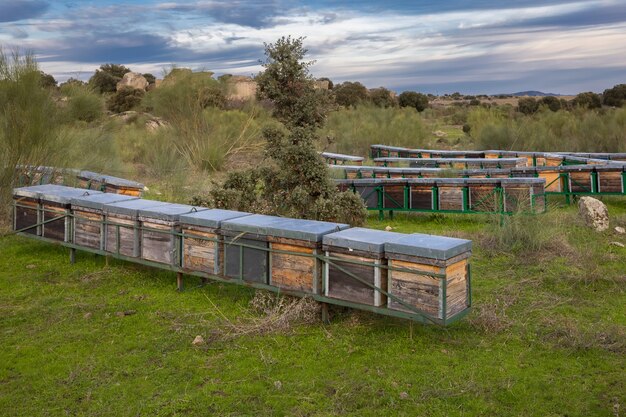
594,213
198,340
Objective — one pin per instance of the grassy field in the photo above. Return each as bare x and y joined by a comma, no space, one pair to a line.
547,336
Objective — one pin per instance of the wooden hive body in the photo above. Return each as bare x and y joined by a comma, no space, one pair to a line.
249,262
429,274
553,180
610,180
205,255
88,219
450,196
483,197
361,253
123,234
160,232
295,245
393,194
26,210
422,196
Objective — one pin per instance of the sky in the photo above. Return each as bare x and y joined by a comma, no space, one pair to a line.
431,46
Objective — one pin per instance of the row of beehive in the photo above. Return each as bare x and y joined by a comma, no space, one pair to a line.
583,179
341,159
533,158
452,163
491,195
31,175
406,273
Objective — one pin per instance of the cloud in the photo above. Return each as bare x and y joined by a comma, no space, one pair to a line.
253,14
14,10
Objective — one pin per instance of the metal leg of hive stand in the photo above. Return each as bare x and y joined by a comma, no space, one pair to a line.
72,255
179,281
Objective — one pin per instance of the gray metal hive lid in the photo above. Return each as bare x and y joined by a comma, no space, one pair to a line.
308,230
256,224
89,175
168,212
429,246
29,192
358,238
211,218
121,182
97,201
63,195
131,207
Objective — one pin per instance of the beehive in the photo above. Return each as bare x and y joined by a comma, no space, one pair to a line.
88,218
393,194
451,192
431,274
360,252
553,178
611,179
483,194
249,262
524,194
160,229
579,177
294,244
201,254
56,204
90,180
122,186
422,194
26,210
122,234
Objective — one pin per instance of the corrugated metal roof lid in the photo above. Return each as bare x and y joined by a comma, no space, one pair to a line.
98,201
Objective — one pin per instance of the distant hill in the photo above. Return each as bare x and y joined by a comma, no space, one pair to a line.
533,94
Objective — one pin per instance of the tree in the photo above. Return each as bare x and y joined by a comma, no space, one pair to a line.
150,78
350,94
413,99
381,97
615,96
286,81
47,80
105,79
527,105
551,102
294,180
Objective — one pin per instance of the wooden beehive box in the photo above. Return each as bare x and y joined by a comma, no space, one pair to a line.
160,229
412,287
55,204
450,192
90,180
88,218
200,254
246,247
422,194
294,244
552,176
368,189
523,194
611,179
122,186
393,194
26,210
579,177
483,195
360,252
122,229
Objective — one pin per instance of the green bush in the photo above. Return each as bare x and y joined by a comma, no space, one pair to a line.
381,97
413,99
83,103
350,94
615,96
127,98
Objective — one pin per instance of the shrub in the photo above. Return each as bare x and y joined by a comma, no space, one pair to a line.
105,78
615,96
413,99
381,97
83,103
551,102
125,99
350,94
527,105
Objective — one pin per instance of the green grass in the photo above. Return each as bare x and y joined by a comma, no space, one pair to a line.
547,337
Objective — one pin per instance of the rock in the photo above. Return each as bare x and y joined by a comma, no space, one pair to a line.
404,395
389,228
87,315
199,340
618,244
31,266
278,384
620,230
134,80
594,212
119,313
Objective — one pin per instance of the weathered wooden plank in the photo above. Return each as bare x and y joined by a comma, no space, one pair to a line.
293,271
159,245
87,229
128,235
451,198
26,215
343,286
200,254
56,229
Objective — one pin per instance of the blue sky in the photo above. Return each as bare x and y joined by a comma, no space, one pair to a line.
482,46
